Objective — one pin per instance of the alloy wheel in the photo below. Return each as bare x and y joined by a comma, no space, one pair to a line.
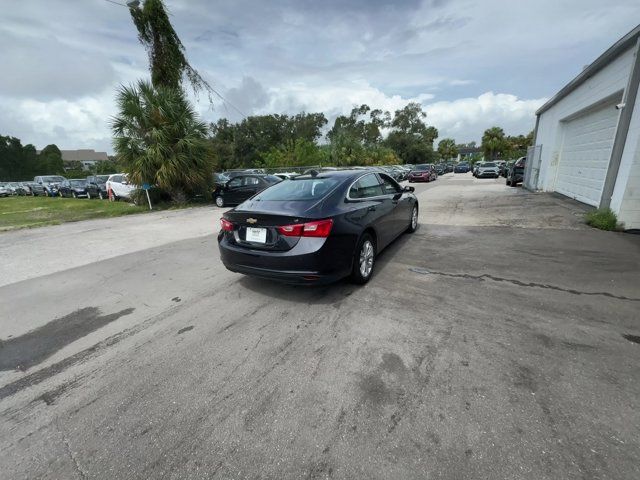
366,259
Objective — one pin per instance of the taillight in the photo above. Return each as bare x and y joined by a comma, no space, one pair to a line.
320,228
226,225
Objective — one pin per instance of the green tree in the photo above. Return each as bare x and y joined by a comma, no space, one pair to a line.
159,140
50,161
246,144
447,149
494,143
293,153
167,57
410,137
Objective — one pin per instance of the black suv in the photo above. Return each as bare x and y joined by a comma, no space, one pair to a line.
515,174
242,187
97,186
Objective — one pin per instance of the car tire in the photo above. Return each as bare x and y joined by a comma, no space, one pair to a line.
219,201
413,221
364,260
508,182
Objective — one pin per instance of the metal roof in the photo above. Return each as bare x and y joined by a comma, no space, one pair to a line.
598,64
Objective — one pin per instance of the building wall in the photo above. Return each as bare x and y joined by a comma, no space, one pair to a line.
608,82
626,195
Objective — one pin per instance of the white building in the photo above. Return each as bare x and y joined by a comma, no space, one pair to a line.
588,135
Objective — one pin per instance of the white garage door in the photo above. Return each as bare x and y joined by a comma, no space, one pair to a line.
585,154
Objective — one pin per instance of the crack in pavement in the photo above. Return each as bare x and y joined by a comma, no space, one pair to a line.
74,460
424,271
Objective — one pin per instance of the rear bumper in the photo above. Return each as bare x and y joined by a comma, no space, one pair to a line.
312,261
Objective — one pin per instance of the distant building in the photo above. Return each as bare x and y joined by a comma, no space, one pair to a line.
467,153
87,157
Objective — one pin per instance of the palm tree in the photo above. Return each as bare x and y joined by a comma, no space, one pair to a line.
159,140
493,142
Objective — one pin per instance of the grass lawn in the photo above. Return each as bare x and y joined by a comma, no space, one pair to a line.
27,212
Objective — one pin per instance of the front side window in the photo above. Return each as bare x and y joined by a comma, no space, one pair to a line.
235,183
367,186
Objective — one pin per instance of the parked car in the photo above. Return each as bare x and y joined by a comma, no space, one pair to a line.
4,191
286,175
440,169
75,187
97,186
118,187
506,167
23,188
50,183
15,188
500,164
487,170
516,172
449,168
474,169
423,173
242,187
36,190
317,228
394,173
461,168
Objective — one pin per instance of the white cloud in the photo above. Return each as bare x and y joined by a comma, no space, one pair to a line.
466,119
70,124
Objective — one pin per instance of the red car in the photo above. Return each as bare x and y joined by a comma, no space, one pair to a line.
423,173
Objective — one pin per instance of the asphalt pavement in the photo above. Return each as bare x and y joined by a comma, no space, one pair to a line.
498,341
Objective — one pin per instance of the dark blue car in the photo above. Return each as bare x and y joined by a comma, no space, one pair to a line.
317,228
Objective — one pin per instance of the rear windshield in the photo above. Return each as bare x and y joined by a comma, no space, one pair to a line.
422,167
299,189
77,183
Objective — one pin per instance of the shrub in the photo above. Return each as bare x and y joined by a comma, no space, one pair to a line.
604,219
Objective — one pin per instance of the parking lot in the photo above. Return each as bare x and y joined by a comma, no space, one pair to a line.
495,342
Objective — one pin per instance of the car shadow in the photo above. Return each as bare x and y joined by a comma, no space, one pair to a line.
321,294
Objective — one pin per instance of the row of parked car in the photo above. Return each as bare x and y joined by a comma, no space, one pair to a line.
112,187
235,186
512,171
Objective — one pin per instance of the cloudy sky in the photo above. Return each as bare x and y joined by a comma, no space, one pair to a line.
471,63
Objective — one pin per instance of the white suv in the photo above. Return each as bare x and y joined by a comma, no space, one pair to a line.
118,186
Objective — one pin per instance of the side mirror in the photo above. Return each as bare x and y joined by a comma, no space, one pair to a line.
408,188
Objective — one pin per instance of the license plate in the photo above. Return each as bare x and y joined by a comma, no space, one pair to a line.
257,235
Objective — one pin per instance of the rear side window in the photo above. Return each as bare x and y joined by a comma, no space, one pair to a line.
389,186
249,181
299,189
367,186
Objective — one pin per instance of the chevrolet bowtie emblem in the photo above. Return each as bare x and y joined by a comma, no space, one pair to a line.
251,220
